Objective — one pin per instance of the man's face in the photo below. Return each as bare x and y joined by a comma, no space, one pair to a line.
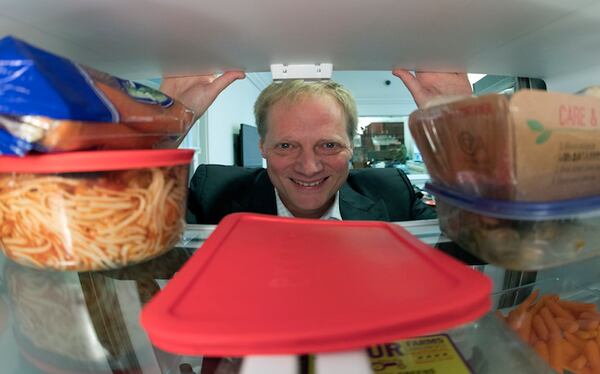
307,149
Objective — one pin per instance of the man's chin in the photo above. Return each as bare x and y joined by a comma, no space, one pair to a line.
311,206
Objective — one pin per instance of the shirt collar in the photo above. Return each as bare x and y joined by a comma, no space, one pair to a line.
332,213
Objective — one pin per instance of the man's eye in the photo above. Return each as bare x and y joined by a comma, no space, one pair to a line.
284,146
330,146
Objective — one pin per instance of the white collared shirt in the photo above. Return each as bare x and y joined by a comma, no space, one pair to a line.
332,213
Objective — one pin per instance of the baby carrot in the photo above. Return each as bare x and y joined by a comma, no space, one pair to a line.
557,310
574,340
549,321
542,302
555,352
514,319
524,306
525,330
590,316
567,324
540,327
586,335
588,324
578,363
569,350
542,350
576,307
592,354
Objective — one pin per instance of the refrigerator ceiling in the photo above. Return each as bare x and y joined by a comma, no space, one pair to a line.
149,38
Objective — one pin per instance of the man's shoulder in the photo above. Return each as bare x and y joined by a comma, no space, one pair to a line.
390,184
374,176
228,171
214,180
390,187
217,190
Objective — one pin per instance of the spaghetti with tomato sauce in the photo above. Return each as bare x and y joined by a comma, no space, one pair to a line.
91,221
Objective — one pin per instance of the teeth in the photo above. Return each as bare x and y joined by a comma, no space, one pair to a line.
312,184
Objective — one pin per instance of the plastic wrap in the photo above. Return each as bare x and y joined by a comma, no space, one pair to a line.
97,219
530,146
520,235
49,103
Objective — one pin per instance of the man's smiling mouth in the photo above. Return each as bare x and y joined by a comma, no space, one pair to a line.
309,184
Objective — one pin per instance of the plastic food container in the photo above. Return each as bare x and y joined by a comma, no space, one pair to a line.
520,235
559,322
61,320
263,285
92,210
529,146
66,322
271,285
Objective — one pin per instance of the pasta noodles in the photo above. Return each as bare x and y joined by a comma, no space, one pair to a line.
91,221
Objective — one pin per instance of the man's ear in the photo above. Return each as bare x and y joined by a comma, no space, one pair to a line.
261,146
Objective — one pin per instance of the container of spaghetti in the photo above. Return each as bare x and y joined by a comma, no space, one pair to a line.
82,211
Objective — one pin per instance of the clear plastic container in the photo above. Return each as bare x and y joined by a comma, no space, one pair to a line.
559,322
67,322
520,235
92,210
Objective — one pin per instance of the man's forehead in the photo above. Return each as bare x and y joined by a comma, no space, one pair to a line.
324,104
303,97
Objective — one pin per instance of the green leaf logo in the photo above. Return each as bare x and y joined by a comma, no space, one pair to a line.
535,125
544,136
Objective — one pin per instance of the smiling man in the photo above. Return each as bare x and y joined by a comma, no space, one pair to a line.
306,131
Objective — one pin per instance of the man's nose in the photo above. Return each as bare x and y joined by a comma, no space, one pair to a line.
308,163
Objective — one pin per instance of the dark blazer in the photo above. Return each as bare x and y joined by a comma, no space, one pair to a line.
368,194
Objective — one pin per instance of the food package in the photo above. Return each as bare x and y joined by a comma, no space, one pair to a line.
49,103
528,146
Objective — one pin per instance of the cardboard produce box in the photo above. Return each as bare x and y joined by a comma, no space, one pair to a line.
529,146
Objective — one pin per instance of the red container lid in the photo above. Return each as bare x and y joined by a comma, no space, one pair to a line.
265,284
72,162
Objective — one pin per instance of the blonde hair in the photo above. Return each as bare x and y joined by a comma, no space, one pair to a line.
295,89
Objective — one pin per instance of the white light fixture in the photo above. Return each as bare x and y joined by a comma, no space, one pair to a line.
283,72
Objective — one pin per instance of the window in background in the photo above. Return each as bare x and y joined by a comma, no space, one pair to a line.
506,85
386,142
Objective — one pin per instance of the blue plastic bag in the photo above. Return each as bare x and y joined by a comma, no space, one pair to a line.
48,103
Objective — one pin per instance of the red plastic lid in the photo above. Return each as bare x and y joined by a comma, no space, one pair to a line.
71,162
264,285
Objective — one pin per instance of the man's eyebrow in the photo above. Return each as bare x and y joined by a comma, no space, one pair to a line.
284,140
332,140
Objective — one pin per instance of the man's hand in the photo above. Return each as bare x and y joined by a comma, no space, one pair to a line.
198,92
424,86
